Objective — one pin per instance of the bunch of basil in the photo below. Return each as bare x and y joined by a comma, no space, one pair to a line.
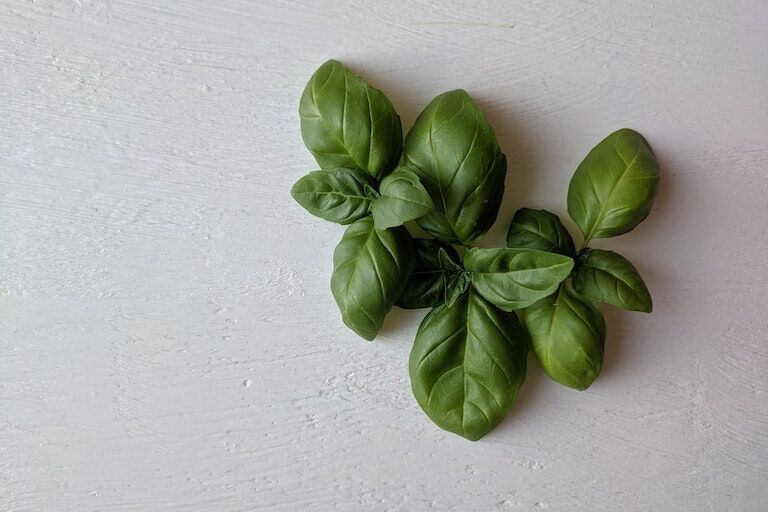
468,359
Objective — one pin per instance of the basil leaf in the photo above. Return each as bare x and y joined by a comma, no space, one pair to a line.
605,276
516,278
467,365
457,286
541,230
370,269
568,337
338,195
612,190
434,266
402,198
454,150
347,123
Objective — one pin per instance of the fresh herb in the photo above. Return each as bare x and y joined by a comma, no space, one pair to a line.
468,360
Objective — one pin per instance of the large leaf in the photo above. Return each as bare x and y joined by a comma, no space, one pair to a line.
347,123
338,195
454,150
568,337
435,269
370,269
402,198
467,365
605,276
516,278
541,230
612,190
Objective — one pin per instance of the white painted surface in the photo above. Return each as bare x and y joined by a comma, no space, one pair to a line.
169,341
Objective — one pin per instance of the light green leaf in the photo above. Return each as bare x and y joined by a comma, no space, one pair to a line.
347,123
467,365
540,230
568,337
453,149
370,269
612,190
516,278
605,276
402,198
338,195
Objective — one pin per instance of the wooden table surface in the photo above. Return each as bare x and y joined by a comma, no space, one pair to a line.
169,339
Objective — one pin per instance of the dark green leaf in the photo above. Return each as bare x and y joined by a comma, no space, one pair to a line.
516,278
403,198
370,269
435,264
568,336
467,365
347,123
605,276
338,195
454,150
541,230
612,190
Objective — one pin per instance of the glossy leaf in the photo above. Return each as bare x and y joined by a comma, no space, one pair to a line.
612,190
402,198
454,150
370,269
347,123
540,230
568,337
435,265
516,278
605,276
467,365
338,195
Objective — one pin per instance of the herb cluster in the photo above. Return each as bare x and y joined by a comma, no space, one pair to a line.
488,308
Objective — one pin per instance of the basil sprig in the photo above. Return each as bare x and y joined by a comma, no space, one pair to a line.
468,359
610,193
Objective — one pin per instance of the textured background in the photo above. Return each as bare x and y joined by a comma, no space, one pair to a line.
169,340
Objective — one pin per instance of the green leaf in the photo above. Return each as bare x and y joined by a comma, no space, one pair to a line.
403,198
612,190
338,195
370,269
347,123
454,150
568,336
467,365
516,278
540,230
605,276
457,286
435,265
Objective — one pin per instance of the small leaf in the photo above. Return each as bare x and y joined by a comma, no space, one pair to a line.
605,276
568,337
453,149
516,278
338,195
403,198
457,286
371,192
434,268
449,260
612,190
467,365
347,123
540,230
370,269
